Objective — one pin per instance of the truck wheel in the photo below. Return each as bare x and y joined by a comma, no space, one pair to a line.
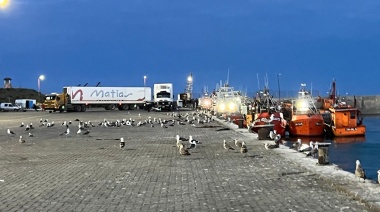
125,107
77,108
131,107
110,107
83,108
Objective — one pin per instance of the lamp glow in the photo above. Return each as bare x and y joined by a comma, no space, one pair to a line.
4,4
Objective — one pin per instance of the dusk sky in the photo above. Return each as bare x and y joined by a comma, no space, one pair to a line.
117,42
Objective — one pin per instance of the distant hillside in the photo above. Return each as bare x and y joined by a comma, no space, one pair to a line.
11,94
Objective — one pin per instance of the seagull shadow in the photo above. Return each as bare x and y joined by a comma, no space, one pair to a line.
255,156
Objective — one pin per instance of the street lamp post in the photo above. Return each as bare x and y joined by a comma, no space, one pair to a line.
40,78
278,84
144,85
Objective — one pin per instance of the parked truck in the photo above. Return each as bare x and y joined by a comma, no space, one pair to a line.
78,99
163,96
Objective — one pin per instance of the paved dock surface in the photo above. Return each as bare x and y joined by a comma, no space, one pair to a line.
79,172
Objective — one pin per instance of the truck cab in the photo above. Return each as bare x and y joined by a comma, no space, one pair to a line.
163,96
53,102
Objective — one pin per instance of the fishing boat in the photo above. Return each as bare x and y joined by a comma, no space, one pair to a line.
306,119
226,100
267,116
340,118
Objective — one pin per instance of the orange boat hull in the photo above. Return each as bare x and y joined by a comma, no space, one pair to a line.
306,125
348,131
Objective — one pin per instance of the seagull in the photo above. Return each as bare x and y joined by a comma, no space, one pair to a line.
296,145
79,131
193,144
243,148
21,140
314,150
193,140
227,146
27,128
272,134
183,151
66,132
178,142
307,148
122,143
238,143
10,132
30,134
359,171
22,124
276,143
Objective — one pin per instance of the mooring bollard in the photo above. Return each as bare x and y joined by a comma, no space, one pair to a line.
323,153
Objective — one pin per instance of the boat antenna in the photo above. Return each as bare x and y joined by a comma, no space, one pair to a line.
266,81
258,82
332,94
228,75
311,88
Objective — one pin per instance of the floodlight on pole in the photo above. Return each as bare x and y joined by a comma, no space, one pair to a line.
40,78
4,4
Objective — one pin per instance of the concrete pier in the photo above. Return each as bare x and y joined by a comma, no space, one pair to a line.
91,172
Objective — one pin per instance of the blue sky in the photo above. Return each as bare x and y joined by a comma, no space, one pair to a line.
117,42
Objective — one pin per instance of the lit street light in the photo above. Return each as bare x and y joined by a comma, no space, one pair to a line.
278,84
4,4
40,78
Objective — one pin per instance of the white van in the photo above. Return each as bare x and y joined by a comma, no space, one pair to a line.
9,107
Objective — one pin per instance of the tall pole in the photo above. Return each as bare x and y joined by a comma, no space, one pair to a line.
278,84
144,85
40,78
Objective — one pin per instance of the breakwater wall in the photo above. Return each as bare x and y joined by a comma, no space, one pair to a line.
368,105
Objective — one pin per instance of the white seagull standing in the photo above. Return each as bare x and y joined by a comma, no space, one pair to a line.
21,140
359,171
227,146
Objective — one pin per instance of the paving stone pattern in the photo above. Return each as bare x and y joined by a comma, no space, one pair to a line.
84,173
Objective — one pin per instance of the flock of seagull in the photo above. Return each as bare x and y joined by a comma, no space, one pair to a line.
192,119
311,149
84,127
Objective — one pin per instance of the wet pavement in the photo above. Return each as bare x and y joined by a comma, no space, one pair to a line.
90,172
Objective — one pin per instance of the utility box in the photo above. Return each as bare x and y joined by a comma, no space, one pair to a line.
323,153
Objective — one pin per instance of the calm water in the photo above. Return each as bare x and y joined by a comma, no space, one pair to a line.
345,151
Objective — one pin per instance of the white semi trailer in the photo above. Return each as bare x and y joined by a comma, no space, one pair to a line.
78,99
